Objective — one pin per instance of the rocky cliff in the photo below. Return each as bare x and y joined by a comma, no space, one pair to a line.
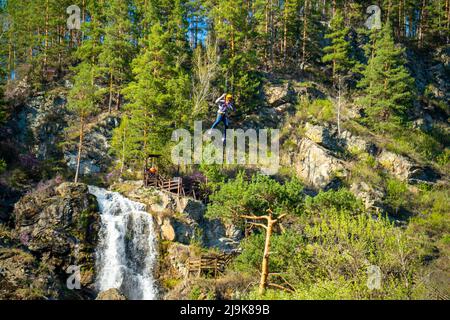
56,227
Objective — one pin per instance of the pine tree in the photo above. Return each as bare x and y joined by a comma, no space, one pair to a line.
93,31
122,144
338,52
232,27
387,84
154,95
117,49
82,99
311,31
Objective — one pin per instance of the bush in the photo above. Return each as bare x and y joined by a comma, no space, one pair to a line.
2,166
337,201
320,109
397,194
239,196
444,159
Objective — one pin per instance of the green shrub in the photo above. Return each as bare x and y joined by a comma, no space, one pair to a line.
366,170
397,194
2,166
239,196
444,159
341,200
320,109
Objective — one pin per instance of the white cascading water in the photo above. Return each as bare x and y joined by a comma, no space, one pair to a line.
126,252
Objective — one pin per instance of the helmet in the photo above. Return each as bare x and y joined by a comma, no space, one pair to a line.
229,97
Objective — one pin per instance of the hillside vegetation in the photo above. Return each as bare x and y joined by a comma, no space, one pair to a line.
363,184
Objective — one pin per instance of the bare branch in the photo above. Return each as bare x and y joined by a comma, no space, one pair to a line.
281,217
258,225
255,217
277,286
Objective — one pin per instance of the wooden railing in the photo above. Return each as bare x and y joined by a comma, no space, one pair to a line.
172,185
212,264
177,185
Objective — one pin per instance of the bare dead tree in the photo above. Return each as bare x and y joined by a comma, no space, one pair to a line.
270,223
206,66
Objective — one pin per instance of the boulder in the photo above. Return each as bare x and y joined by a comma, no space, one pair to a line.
177,257
319,134
372,197
406,169
41,123
111,295
176,229
317,165
278,94
354,143
424,123
287,107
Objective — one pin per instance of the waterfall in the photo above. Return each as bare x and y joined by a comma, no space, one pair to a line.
126,252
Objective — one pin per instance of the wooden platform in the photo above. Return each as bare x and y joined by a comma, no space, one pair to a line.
209,265
177,185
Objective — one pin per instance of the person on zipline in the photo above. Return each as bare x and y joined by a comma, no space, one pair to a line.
225,103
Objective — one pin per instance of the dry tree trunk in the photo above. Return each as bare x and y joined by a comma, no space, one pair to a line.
80,147
268,226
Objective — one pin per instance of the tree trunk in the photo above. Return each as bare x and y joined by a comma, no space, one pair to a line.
305,33
286,6
339,106
266,257
46,32
80,147
110,91
266,53
124,136
83,19
447,8
389,10
265,262
10,60
118,101
422,23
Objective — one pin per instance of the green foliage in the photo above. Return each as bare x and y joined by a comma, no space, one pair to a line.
2,166
320,109
386,82
241,197
157,96
238,65
117,48
82,96
397,194
121,145
284,245
444,159
338,52
329,258
337,201
427,147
